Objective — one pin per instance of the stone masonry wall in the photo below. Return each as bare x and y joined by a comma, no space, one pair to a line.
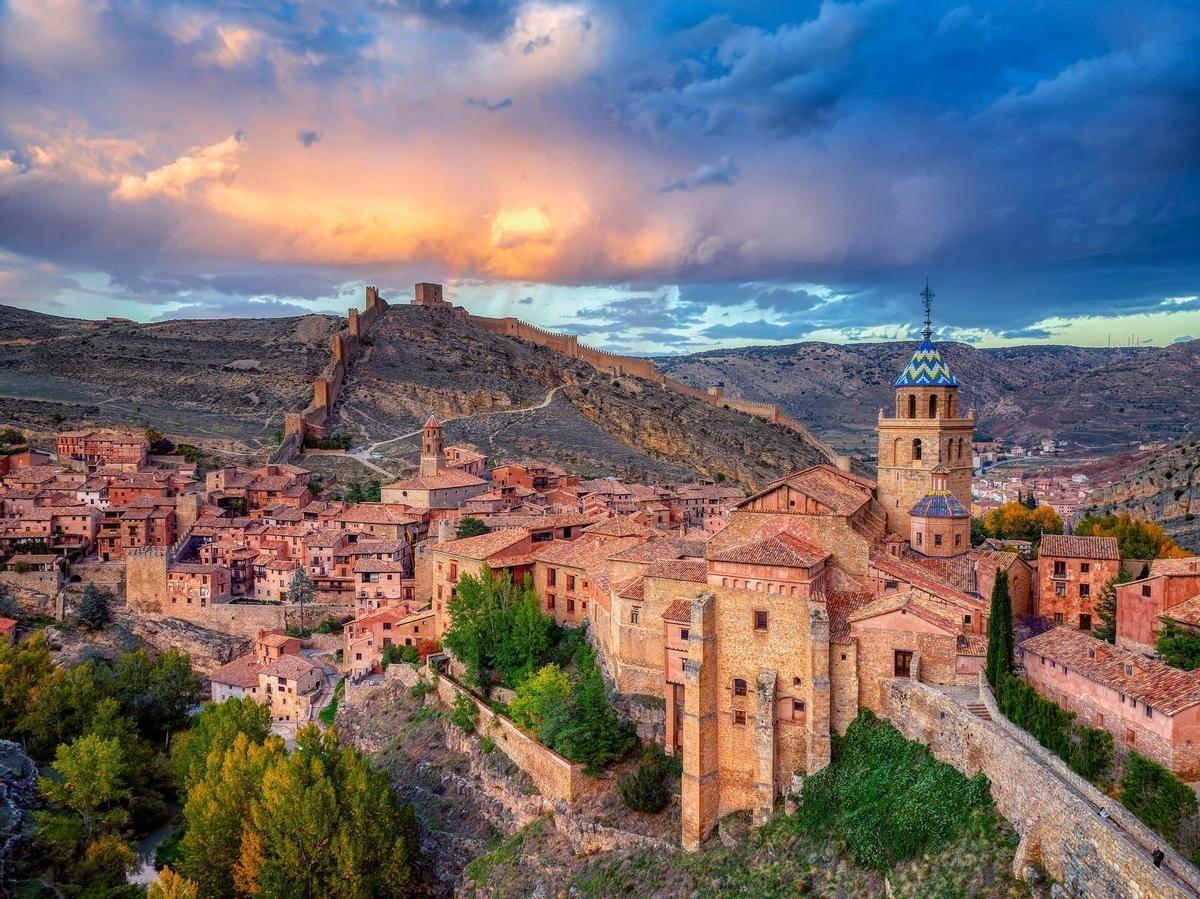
555,777
1055,812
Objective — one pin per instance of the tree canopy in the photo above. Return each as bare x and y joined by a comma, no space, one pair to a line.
1015,521
1138,539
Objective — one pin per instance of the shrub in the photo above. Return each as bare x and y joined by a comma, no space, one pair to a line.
392,654
1092,754
422,688
1160,799
330,625
539,696
470,526
645,789
889,799
464,714
1178,647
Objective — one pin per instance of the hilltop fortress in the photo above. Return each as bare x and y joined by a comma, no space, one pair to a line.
348,343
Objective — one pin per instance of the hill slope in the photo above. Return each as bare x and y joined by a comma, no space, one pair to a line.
233,380
1095,398
421,360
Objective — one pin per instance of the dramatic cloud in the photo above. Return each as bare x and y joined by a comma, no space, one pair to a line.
658,176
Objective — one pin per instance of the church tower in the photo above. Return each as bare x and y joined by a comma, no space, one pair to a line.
925,430
433,457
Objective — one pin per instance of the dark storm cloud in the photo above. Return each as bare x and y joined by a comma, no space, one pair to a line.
1038,161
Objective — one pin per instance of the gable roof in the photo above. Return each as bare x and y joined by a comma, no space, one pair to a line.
907,601
839,491
1167,689
1068,546
783,550
680,610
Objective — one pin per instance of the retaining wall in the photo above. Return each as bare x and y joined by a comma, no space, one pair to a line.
556,778
1054,810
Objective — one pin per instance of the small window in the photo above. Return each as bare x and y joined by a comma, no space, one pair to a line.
1149,711
1085,622
1085,567
760,620
739,687
739,718
967,618
551,577
550,601
683,633
635,615
958,539
1085,590
920,538
937,539
891,585
1145,589
797,706
570,582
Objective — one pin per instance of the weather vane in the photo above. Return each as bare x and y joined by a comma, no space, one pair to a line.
927,298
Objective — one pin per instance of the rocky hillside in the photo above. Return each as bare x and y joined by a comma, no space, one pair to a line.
217,379
1092,398
1160,485
515,399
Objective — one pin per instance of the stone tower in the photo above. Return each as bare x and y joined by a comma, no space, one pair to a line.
433,458
926,429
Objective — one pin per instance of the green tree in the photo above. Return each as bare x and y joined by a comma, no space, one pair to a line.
1000,631
979,531
156,693
217,812
61,708
526,635
301,591
1137,539
354,493
23,668
93,612
1178,648
90,780
591,731
1030,501
645,789
540,696
211,734
373,492
470,526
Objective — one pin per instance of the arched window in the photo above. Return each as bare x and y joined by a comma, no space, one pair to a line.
933,406
912,405
960,447
739,687
916,449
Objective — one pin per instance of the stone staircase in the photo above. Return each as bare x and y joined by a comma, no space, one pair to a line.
979,710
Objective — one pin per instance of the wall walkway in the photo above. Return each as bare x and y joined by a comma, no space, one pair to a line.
1055,811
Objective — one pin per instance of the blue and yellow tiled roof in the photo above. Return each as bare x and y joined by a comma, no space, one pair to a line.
926,369
940,504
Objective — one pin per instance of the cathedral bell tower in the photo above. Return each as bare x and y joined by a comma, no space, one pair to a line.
433,456
925,430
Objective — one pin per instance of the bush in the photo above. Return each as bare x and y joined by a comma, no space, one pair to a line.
889,799
393,654
645,789
464,714
1159,799
540,696
1178,647
422,688
330,625
470,526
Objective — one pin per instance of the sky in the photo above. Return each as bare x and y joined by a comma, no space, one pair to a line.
656,176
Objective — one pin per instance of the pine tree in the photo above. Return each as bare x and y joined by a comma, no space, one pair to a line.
1000,631
93,609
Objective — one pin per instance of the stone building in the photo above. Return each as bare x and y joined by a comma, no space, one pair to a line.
1171,591
1071,573
437,485
1146,704
925,430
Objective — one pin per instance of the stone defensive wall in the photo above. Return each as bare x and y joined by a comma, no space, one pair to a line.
1055,812
617,366
327,386
555,778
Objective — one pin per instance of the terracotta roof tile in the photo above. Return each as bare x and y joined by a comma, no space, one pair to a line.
784,550
241,672
1166,689
693,570
1064,546
679,610
484,545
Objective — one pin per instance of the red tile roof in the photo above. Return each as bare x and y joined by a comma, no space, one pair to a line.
241,672
618,527
1155,683
783,550
841,604
444,480
1064,546
679,610
693,570
839,491
908,601
483,545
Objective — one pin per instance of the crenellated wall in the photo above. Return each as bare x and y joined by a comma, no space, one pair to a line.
327,386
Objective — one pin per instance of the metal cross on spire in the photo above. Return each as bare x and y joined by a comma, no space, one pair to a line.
927,298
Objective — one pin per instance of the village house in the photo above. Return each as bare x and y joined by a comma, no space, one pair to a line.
194,586
366,637
1168,592
275,674
504,550
128,452
1071,573
1147,705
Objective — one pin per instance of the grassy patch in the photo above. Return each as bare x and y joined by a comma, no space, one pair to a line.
329,713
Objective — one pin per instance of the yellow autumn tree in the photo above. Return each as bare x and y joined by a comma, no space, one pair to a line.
1014,521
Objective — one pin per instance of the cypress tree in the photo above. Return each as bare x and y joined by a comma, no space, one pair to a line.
1000,631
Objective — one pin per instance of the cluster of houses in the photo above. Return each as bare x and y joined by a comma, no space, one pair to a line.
759,624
